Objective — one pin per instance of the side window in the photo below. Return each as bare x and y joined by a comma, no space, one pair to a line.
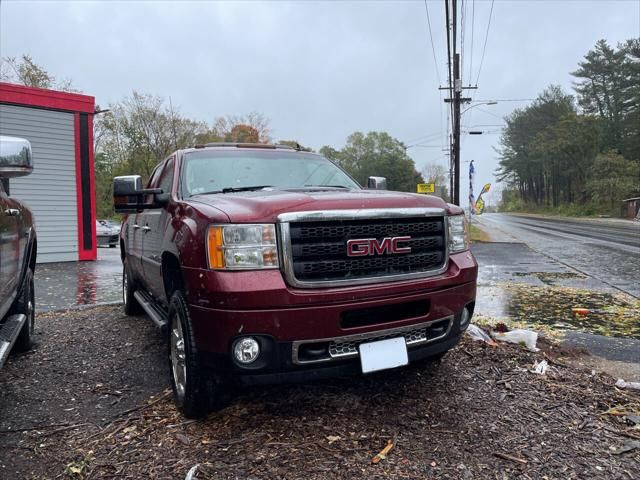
153,179
166,179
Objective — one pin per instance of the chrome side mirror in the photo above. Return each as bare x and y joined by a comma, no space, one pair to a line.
16,159
377,183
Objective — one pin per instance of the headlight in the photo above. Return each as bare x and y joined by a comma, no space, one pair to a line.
242,247
458,234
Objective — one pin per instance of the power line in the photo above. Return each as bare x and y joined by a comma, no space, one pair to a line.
486,37
433,49
422,137
484,125
419,141
484,48
507,100
501,117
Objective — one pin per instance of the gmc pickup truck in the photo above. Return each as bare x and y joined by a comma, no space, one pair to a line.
268,264
17,252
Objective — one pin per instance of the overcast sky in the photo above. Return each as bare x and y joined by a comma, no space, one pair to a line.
318,70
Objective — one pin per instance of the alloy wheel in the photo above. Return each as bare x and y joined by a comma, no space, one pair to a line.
178,358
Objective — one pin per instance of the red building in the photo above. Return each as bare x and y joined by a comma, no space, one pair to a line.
61,189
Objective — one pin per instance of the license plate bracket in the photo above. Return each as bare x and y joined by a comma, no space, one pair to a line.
383,354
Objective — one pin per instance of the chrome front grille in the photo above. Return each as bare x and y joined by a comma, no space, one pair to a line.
315,246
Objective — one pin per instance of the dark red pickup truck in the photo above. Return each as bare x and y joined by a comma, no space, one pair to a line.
269,264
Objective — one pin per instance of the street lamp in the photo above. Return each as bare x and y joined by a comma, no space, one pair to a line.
477,105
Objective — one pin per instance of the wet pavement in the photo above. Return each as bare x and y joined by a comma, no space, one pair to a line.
604,249
66,285
524,287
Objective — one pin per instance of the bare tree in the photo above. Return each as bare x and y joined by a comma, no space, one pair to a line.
437,174
223,127
142,130
25,71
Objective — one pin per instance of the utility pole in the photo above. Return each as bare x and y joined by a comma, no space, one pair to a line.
455,90
456,121
451,157
456,106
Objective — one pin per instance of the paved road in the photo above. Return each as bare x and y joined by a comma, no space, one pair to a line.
605,249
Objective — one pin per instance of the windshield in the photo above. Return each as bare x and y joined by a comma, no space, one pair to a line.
215,171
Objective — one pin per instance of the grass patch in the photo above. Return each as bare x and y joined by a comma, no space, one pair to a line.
588,209
476,234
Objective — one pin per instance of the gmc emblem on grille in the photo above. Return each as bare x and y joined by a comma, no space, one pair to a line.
362,247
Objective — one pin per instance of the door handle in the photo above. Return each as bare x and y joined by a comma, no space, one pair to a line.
12,212
136,226
146,229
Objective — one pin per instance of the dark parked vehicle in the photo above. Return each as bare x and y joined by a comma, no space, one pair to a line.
269,264
17,252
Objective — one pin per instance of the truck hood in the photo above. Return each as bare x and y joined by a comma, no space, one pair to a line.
264,206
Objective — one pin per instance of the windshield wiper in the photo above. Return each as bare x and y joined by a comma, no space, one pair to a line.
232,189
244,189
330,186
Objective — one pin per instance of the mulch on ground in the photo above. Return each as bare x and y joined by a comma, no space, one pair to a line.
480,413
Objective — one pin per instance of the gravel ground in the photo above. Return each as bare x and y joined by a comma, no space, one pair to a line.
93,403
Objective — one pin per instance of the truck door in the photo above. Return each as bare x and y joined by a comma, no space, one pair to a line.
155,227
133,241
9,251
137,230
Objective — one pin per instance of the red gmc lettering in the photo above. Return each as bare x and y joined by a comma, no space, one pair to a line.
371,246
394,245
358,248
378,248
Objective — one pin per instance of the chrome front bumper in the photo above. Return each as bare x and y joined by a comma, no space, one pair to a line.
347,347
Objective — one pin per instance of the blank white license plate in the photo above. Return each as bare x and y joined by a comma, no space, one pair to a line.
383,354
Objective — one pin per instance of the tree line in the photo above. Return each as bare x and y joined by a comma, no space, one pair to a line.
578,153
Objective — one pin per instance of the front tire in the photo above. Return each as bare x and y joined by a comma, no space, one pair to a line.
194,392
26,304
131,305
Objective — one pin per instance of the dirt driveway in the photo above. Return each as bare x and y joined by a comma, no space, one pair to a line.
91,402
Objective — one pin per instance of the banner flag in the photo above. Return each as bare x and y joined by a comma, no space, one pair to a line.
472,201
480,201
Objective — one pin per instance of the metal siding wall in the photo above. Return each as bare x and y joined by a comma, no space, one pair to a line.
50,191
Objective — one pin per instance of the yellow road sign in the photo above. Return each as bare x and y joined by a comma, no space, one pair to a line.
426,187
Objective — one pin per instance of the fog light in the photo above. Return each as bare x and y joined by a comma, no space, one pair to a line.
246,350
464,318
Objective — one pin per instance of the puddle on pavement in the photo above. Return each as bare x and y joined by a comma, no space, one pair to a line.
550,307
69,284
